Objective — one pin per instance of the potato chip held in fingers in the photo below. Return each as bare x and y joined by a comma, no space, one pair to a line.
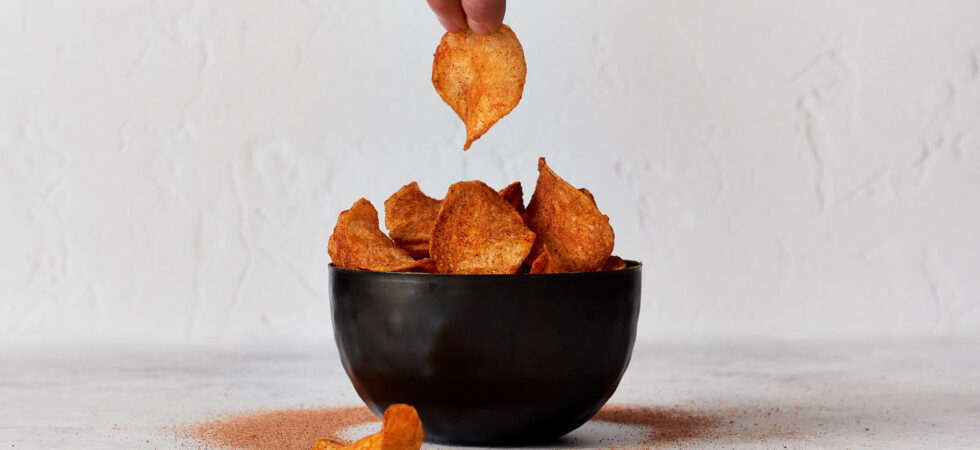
480,77
478,232
409,216
358,243
566,220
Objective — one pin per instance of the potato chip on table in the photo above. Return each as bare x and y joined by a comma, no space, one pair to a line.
480,77
372,442
358,243
477,231
324,444
401,429
569,226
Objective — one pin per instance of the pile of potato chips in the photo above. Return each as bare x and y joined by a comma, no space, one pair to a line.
478,230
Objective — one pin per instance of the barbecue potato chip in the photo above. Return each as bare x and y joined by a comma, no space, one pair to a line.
614,263
409,215
401,429
514,194
417,250
372,442
426,265
324,444
358,243
568,223
480,77
477,231
543,263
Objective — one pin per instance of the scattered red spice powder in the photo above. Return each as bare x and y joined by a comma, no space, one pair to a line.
291,429
299,429
667,425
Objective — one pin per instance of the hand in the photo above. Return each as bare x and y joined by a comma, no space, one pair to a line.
481,16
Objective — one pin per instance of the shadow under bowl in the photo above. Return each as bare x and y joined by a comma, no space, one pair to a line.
487,359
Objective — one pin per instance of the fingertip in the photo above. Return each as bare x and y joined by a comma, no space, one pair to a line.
450,25
484,16
480,28
450,14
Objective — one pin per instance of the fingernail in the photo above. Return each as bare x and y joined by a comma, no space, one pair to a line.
451,26
478,27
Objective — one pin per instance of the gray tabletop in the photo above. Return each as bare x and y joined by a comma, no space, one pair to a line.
817,394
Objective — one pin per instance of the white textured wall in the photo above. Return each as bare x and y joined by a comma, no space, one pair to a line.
171,170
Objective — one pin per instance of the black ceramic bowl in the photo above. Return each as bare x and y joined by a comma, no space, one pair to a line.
487,359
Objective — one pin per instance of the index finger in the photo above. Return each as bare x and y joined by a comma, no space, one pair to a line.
484,16
450,14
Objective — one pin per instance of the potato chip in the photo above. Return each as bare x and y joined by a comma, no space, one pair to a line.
417,250
543,263
614,263
371,442
568,223
366,443
409,216
480,77
324,444
401,429
425,265
358,243
514,194
477,231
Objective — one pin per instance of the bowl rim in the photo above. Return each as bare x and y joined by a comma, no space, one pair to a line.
631,266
